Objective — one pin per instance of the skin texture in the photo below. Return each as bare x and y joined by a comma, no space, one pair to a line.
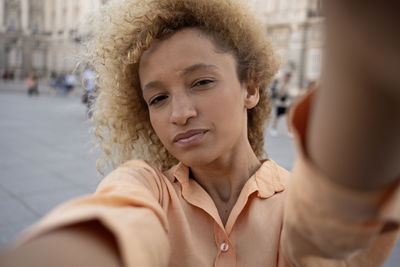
355,127
353,132
188,85
221,161
125,29
82,245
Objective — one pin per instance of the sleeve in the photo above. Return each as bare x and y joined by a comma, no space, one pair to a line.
127,203
326,224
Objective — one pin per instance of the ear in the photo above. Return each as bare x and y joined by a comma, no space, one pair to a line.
252,93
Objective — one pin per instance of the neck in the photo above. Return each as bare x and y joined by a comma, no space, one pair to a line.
224,178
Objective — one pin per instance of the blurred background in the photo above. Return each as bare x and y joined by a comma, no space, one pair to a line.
45,36
45,137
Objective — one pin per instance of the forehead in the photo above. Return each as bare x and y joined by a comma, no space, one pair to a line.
182,48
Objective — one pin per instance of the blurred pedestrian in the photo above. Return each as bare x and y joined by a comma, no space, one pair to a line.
53,80
5,75
32,84
89,97
281,101
61,84
70,81
273,89
11,75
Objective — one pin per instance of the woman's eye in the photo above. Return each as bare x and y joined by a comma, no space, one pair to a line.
157,99
202,82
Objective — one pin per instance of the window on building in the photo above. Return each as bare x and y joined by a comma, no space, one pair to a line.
35,28
314,59
314,8
12,24
271,6
15,58
38,59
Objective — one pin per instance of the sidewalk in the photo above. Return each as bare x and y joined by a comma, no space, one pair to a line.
18,86
45,159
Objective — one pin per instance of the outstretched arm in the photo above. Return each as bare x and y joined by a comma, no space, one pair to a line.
344,198
86,244
354,132
122,224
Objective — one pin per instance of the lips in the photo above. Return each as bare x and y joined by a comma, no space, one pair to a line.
189,137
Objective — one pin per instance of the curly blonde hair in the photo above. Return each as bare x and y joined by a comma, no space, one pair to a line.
128,27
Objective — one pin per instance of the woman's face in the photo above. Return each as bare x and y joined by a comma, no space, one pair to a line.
197,105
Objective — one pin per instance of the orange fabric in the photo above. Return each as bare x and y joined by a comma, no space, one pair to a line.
168,219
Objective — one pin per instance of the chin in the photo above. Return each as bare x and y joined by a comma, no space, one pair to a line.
195,159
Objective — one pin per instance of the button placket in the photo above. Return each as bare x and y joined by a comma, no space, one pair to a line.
226,255
224,247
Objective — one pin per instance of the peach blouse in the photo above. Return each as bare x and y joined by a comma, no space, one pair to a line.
280,219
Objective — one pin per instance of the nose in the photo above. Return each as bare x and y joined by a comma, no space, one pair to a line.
182,110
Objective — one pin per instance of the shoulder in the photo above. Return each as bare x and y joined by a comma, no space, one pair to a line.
279,174
135,172
138,164
272,180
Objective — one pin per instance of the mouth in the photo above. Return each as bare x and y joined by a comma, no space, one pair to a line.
190,137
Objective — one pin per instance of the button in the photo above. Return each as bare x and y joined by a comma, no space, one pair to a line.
224,247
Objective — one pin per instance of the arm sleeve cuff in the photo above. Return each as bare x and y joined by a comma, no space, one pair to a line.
130,212
325,219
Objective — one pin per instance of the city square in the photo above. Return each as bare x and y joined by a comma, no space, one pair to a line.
182,57
46,156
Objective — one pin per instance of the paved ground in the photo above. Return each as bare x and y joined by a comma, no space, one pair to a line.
45,158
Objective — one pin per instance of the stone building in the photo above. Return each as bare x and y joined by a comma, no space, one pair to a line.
42,35
22,42
295,27
65,27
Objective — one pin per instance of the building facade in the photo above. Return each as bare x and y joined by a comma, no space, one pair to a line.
295,28
22,43
42,35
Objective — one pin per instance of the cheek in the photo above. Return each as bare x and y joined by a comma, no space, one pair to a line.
227,107
230,113
158,124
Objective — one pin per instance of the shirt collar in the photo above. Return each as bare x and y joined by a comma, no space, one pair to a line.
269,179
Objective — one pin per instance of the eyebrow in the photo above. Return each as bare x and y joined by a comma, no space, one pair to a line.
195,67
186,71
152,84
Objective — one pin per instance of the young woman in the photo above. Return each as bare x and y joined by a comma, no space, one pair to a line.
183,86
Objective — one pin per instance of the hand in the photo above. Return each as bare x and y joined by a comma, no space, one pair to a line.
354,128
366,32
